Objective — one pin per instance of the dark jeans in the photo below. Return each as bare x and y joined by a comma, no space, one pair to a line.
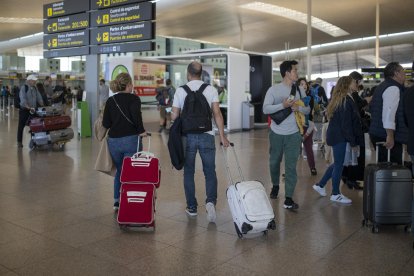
120,148
24,115
205,145
396,151
334,171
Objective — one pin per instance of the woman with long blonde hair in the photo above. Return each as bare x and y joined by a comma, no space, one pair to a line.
344,127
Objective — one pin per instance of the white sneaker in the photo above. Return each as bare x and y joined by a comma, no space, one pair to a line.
319,189
211,212
340,198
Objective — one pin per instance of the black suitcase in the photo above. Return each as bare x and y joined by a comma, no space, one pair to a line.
388,195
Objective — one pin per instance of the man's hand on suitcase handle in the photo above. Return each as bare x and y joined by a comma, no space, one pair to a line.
230,144
145,134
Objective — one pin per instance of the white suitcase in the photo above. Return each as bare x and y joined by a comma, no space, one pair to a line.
249,204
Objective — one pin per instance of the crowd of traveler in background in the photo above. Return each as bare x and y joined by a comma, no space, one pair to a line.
386,114
295,106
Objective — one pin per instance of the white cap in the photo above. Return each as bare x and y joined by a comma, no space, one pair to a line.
32,77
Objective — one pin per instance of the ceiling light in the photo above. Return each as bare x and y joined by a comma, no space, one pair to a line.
21,20
301,17
340,42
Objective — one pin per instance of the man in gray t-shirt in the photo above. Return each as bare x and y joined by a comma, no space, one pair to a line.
285,138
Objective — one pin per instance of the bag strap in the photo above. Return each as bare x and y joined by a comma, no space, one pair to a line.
123,114
200,90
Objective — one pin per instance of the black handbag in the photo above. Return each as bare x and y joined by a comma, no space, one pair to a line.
279,116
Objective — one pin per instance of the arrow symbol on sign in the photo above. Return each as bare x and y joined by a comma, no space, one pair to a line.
48,44
99,3
98,20
48,28
99,37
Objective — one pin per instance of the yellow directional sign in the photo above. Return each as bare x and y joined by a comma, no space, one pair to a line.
66,39
66,23
65,8
105,37
123,14
103,4
106,19
123,33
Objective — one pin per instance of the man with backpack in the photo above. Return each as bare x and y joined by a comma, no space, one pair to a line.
30,99
197,103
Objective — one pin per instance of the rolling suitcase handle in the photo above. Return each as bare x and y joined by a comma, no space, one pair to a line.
388,153
143,156
227,163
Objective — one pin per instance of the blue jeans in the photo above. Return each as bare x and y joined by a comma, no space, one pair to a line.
205,144
334,171
120,148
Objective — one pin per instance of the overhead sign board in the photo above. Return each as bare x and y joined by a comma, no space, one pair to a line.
66,23
123,33
123,14
67,7
76,51
67,39
123,47
103,4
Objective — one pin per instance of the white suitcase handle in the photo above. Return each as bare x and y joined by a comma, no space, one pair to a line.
227,163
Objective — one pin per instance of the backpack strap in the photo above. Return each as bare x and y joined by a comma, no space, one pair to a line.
201,89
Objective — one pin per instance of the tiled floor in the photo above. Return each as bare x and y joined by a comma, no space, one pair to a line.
56,218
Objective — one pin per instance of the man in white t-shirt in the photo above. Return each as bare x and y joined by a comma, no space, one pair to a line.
204,143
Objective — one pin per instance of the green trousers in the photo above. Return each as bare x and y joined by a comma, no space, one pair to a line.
289,146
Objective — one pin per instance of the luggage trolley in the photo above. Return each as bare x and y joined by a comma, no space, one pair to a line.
50,127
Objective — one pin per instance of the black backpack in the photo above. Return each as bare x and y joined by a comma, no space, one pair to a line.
17,97
175,144
196,114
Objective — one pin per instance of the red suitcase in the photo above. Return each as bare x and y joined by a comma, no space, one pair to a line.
140,176
137,205
142,167
49,123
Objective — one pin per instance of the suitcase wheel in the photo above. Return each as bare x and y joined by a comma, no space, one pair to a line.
272,225
407,229
239,234
375,229
123,227
364,222
246,228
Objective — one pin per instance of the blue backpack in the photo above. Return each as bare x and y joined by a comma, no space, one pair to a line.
314,91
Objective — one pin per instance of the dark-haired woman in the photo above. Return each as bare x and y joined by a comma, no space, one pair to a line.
309,128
